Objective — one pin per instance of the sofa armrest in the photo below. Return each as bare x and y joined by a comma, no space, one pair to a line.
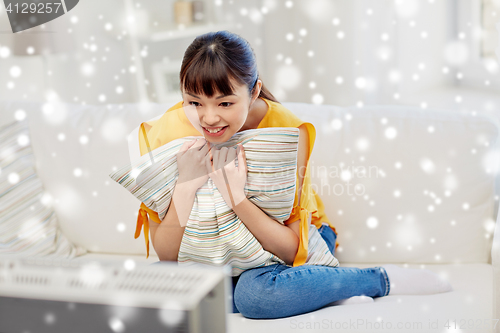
495,263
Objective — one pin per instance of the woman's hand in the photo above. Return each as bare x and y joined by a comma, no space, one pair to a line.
229,179
191,160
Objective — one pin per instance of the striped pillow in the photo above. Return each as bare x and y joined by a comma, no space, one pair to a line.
214,234
28,225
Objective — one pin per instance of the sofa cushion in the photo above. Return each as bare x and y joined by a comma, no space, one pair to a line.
28,224
468,308
403,184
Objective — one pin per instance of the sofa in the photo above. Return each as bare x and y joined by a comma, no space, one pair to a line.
401,184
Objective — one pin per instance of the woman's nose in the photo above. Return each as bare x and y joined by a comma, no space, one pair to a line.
211,116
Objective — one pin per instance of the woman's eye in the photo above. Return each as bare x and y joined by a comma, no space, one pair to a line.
225,104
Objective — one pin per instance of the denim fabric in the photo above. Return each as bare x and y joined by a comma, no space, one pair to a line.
329,236
278,291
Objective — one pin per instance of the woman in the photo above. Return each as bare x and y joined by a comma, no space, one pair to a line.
223,95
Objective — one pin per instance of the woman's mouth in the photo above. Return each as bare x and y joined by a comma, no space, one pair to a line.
215,132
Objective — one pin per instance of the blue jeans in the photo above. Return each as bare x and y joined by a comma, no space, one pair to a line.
278,291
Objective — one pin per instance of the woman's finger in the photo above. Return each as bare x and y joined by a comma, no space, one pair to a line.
208,162
231,155
215,158
223,156
242,160
198,144
186,145
236,149
206,148
210,153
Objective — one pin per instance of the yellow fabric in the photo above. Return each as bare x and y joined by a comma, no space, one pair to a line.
174,125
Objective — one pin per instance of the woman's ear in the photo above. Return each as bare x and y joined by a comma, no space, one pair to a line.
256,92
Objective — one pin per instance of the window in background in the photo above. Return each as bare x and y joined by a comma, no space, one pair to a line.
475,40
490,16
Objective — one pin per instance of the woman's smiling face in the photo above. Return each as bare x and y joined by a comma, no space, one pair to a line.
227,112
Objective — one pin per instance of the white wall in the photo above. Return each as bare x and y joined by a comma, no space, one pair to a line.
64,71
265,24
358,53
81,34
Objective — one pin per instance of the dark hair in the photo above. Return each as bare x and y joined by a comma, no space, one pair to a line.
213,59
